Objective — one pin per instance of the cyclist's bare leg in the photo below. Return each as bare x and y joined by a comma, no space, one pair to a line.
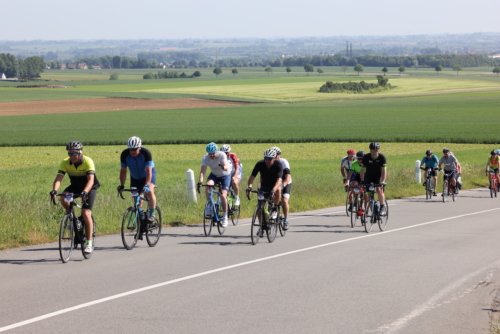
236,186
223,201
211,184
64,204
151,197
277,197
87,218
381,196
284,201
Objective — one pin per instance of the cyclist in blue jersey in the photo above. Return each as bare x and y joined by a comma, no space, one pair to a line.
139,161
430,160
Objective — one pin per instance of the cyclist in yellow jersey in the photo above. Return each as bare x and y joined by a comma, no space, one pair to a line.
81,172
493,164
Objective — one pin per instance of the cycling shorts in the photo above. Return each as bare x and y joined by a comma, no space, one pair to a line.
140,183
433,172
375,179
91,196
225,180
495,170
286,190
453,174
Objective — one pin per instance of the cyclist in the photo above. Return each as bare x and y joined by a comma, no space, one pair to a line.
139,161
354,176
450,166
271,175
430,160
493,164
346,163
220,172
83,181
374,171
286,185
459,172
236,171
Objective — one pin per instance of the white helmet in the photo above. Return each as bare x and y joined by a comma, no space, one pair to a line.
134,142
277,149
270,153
225,148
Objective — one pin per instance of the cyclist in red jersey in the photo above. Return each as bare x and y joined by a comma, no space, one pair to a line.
236,172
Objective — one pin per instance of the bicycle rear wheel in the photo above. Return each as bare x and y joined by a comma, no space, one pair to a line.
347,204
234,213
84,238
272,227
281,225
354,213
208,219
382,220
492,186
256,229
453,194
66,235
130,228
220,215
369,219
153,230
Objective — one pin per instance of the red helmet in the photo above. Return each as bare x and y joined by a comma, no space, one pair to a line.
351,152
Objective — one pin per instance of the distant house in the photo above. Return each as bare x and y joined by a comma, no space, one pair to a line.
62,66
108,66
70,66
96,67
82,66
47,67
4,77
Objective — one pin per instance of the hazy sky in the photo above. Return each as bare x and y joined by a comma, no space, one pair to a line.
126,19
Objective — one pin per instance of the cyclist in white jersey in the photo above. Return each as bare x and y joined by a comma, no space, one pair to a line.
346,163
287,185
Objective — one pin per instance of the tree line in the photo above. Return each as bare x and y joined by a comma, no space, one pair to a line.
27,68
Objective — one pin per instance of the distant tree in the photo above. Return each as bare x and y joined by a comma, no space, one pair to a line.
359,68
496,70
401,69
438,69
117,62
319,70
308,68
192,63
344,68
217,71
385,70
457,68
148,75
288,70
113,76
268,69
234,71
415,63
30,67
197,74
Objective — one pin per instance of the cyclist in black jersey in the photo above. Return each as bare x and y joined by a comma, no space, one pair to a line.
374,171
81,172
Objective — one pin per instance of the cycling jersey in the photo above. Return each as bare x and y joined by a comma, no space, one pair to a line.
270,175
449,163
78,173
220,158
233,161
355,168
286,169
346,163
374,166
494,162
432,162
137,165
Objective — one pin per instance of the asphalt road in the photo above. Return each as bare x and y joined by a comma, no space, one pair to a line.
434,270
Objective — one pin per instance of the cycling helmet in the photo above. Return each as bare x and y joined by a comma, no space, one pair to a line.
225,148
493,152
351,152
428,152
446,150
211,148
278,151
360,154
74,146
134,142
270,153
374,146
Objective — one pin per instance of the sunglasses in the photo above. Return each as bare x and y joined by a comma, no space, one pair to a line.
351,156
133,149
73,154
268,159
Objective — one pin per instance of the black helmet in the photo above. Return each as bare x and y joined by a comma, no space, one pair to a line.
360,154
446,150
428,152
74,146
374,146
494,152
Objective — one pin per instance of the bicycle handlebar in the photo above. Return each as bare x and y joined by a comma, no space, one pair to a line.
61,195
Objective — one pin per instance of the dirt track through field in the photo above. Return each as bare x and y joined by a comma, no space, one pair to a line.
105,104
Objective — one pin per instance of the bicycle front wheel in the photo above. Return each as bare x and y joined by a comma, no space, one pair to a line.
256,229
492,186
153,230
354,213
66,234
89,255
272,228
220,215
382,220
347,204
445,191
369,216
208,218
428,191
131,224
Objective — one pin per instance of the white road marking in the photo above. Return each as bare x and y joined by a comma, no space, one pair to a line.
128,293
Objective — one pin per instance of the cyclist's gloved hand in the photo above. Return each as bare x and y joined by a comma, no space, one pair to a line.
120,188
84,195
273,193
249,190
146,189
53,193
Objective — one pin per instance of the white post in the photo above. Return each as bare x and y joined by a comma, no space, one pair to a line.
417,171
191,189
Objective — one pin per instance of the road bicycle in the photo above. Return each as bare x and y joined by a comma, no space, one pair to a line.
135,222
233,211
213,214
72,229
348,193
448,188
429,184
372,213
262,221
357,205
494,186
